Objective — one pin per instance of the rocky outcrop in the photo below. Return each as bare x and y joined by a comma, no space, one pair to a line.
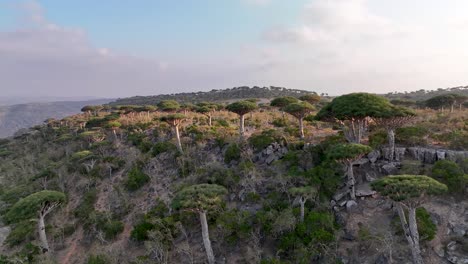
423,154
271,154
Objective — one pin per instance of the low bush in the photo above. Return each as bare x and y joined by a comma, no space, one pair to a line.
233,153
98,259
22,231
136,179
412,136
451,174
162,147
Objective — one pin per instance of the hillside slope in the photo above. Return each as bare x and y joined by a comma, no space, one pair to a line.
243,92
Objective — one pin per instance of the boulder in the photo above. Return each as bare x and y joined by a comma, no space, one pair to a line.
340,195
400,153
4,232
373,156
351,206
361,161
440,155
390,168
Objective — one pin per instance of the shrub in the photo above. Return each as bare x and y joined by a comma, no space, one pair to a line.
98,259
414,135
140,141
377,139
161,147
279,122
23,231
140,230
234,225
222,123
451,174
217,174
86,206
136,179
233,152
81,155
316,231
263,140
427,229
112,228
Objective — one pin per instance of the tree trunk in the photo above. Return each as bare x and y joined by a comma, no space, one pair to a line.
351,181
42,234
391,143
413,226
209,120
179,145
302,201
451,108
241,125
206,238
301,127
411,232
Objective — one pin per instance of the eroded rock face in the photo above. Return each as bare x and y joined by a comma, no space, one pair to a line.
270,154
430,156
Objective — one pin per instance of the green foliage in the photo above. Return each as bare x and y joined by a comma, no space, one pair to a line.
354,105
412,167
218,174
449,173
200,197
326,178
86,206
312,98
14,194
282,102
162,147
112,228
348,151
222,123
234,225
264,139
81,155
233,152
279,122
140,140
28,207
98,259
378,138
168,105
426,227
406,187
456,139
140,230
173,118
299,110
242,107
136,179
317,230
413,136
22,231
445,100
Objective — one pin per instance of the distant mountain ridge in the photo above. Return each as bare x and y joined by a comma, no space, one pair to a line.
15,117
421,95
242,92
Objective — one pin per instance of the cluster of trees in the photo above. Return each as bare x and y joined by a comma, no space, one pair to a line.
353,112
239,93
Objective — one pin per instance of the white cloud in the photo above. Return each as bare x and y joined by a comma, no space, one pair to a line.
44,58
342,46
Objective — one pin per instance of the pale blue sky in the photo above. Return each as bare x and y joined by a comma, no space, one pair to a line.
124,48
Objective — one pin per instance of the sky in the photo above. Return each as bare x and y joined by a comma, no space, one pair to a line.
115,49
